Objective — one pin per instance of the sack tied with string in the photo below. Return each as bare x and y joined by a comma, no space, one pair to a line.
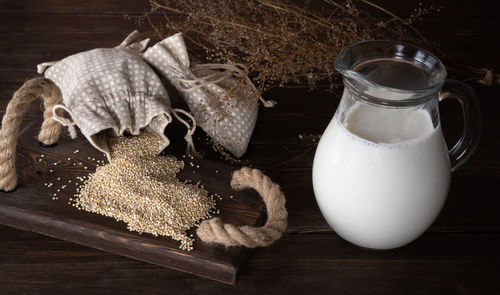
221,97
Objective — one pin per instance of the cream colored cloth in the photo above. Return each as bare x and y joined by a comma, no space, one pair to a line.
110,91
227,113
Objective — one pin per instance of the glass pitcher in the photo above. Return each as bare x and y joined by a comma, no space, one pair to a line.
382,170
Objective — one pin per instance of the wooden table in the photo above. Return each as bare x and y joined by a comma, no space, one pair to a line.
459,254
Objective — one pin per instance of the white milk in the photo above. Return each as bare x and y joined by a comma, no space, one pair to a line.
381,182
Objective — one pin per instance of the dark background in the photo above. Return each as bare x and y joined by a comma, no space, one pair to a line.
459,254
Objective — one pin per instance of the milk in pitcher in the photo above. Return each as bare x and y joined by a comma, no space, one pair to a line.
382,177
382,170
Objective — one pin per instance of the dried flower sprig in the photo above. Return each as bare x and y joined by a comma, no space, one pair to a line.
277,41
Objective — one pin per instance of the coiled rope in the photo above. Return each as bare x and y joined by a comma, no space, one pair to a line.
213,231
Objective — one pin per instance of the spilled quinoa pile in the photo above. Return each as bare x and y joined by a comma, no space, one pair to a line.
141,188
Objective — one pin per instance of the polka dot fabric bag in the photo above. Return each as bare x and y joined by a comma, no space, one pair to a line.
109,92
221,98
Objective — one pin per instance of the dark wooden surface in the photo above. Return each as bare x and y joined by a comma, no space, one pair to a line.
31,207
459,254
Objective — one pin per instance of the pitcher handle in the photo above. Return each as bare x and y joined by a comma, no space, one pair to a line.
469,140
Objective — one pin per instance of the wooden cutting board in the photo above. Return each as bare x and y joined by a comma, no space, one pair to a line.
31,207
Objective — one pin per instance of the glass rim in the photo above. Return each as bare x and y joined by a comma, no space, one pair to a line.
418,96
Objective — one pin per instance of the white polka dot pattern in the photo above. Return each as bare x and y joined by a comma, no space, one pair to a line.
228,117
112,89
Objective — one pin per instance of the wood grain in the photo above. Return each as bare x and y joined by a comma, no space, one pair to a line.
30,207
298,264
458,255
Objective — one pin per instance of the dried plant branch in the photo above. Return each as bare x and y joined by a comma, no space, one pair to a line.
394,16
277,41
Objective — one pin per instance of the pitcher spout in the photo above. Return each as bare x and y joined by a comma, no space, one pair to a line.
374,69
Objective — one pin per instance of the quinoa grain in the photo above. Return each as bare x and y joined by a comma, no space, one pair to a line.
141,189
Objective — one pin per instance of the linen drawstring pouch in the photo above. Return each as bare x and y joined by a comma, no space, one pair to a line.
112,91
221,97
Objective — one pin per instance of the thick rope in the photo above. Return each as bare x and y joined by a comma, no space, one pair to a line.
12,119
215,232
489,77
